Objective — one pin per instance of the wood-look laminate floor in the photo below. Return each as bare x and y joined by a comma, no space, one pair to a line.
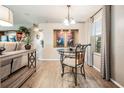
48,75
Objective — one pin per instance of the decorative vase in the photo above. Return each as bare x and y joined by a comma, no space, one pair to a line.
27,47
1,50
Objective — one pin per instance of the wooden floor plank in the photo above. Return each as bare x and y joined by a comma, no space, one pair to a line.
22,79
48,75
18,78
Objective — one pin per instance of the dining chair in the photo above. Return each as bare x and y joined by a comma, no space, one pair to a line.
75,60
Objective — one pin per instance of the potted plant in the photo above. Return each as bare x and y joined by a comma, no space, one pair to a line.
22,32
24,29
27,42
26,36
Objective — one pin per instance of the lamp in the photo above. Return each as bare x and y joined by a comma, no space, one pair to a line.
69,20
6,16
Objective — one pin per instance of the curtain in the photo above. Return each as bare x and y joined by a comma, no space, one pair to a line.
89,41
0,73
105,44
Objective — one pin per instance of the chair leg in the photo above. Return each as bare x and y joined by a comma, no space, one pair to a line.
72,70
83,73
81,70
62,70
75,76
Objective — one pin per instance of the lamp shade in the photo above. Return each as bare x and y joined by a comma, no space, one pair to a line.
6,16
66,22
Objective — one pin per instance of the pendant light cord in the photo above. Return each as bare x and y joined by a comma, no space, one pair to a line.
69,20
68,12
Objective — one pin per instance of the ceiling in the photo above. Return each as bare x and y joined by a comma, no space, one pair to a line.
28,14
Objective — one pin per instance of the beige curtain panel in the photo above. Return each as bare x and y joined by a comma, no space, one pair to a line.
105,46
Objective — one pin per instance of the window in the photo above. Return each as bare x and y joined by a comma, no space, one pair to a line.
65,37
97,32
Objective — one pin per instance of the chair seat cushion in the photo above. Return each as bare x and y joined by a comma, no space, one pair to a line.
69,62
70,56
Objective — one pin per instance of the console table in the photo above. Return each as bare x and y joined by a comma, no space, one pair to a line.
31,62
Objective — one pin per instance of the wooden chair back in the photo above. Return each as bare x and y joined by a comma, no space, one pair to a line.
80,53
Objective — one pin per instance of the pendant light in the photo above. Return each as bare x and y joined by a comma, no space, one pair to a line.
69,20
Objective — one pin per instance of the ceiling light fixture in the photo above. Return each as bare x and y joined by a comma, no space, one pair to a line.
6,16
69,20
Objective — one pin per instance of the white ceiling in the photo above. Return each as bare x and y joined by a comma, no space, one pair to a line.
28,14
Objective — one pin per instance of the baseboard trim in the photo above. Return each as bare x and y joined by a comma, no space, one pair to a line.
96,68
48,59
116,83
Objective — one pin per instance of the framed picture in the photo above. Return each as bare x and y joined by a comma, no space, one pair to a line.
65,37
60,39
70,39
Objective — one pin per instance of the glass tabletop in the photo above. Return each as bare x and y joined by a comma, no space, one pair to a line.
66,50
69,50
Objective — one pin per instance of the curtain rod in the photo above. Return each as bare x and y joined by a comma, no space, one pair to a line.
96,12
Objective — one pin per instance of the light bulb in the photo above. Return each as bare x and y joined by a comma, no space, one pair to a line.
66,22
72,21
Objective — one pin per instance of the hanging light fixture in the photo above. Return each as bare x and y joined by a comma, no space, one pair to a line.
6,16
69,20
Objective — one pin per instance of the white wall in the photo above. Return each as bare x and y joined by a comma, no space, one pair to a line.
48,52
117,44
